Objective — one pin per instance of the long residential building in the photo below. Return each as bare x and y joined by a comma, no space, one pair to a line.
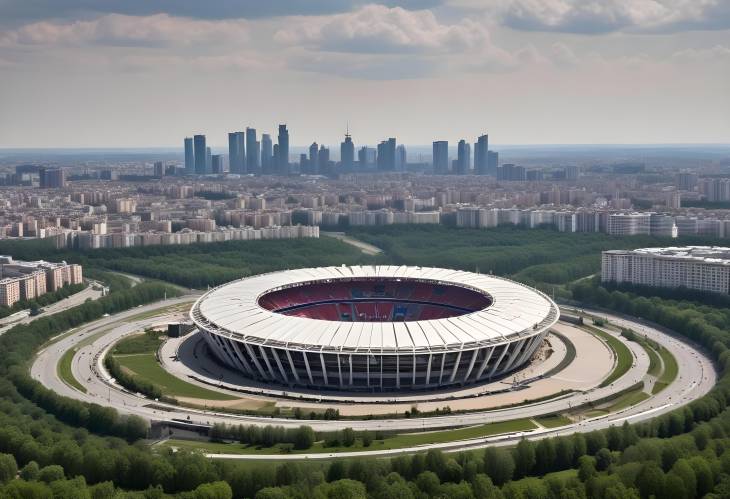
705,268
21,280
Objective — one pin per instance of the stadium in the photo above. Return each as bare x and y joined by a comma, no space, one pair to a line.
374,328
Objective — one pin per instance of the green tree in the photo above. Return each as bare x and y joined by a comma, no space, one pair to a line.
51,473
428,482
524,457
346,489
30,471
586,468
304,437
499,465
8,468
650,480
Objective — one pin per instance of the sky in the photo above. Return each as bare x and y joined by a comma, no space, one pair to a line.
146,73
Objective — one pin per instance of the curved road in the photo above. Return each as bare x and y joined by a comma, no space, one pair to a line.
696,377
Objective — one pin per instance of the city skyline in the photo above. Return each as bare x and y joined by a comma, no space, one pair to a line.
129,74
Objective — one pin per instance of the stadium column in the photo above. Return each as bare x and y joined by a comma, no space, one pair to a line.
278,363
397,371
266,360
499,360
291,364
486,361
367,369
306,364
324,369
515,353
255,361
350,359
339,370
239,354
428,369
471,363
456,367
443,361
413,381
530,348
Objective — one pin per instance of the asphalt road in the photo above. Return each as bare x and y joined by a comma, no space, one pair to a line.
696,377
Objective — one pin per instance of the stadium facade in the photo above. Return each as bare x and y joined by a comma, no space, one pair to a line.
374,328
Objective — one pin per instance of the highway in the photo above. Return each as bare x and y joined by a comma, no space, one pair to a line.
696,377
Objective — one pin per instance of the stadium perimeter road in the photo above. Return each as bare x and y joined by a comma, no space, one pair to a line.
696,377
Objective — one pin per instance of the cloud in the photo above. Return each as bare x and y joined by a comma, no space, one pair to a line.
26,11
376,29
604,16
158,30
714,54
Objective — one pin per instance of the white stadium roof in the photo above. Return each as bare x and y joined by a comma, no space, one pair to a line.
232,310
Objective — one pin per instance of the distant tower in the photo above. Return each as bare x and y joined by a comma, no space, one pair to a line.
200,154
236,152
462,158
481,155
347,151
252,152
282,160
441,157
313,159
401,158
189,156
267,154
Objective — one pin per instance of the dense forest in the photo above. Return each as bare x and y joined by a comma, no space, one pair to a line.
54,447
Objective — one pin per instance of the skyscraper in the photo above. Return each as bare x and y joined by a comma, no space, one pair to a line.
267,154
347,153
236,152
252,152
463,152
189,156
401,158
51,178
282,159
386,155
441,157
492,163
208,160
313,159
366,157
200,154
481,155
323,160
216,163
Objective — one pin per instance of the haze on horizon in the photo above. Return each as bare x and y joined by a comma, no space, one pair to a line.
135,73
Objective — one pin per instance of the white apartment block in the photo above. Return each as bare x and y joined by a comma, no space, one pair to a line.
21,280
705,268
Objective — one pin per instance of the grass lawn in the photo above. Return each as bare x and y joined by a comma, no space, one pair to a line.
64,371
627,400
670,366
395,442
624,359
553,421
138,343
655,364
145,365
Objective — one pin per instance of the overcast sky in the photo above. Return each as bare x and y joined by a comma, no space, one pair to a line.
141,73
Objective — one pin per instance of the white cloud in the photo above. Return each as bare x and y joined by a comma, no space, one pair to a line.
603,16
379,29
120,30
712,54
